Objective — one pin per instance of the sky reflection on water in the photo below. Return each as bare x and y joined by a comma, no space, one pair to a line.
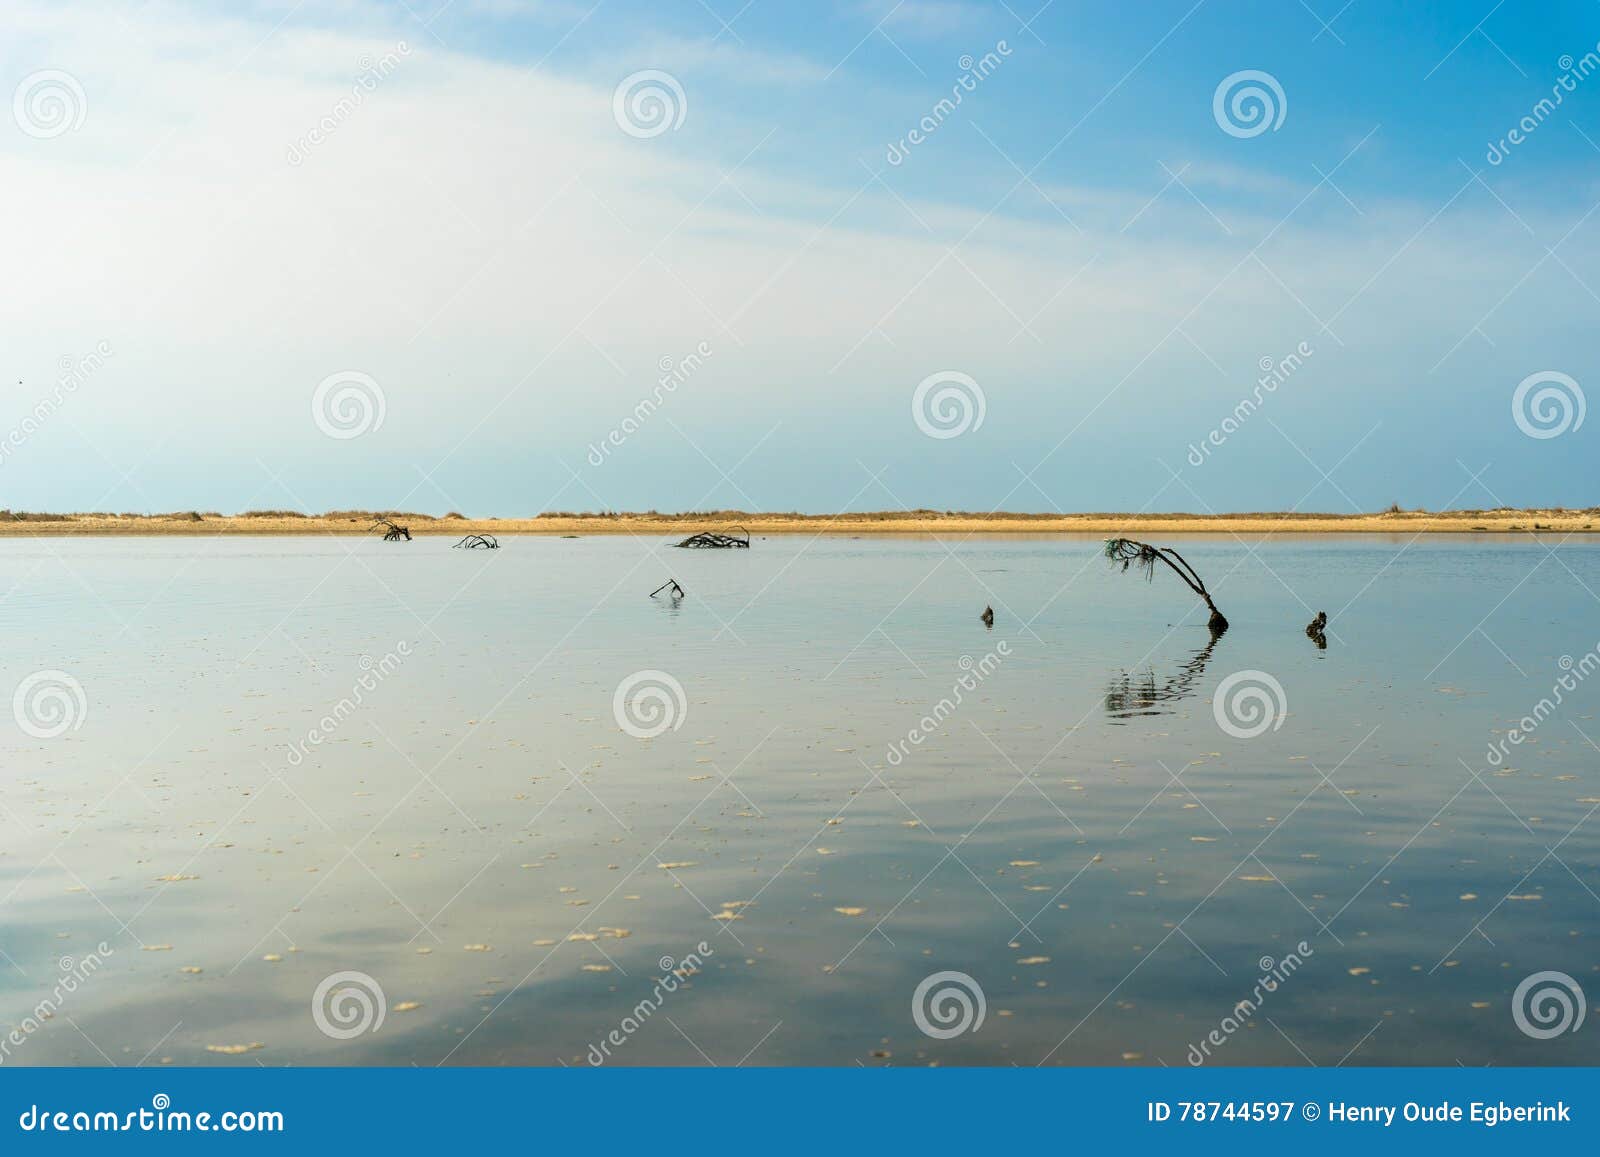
1079,835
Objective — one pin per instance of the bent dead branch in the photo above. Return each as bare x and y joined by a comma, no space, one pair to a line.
478,542
393,531
1141,554
672,585
711,540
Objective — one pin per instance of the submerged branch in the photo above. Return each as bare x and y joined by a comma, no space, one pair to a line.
710,539
393,531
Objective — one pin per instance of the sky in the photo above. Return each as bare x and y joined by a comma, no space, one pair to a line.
506,257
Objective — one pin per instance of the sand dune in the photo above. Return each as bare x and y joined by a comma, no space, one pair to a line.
865,523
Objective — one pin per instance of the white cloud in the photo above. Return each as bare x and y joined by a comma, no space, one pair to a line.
931,18
485,242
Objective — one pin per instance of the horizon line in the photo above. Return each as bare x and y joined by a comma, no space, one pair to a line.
916,514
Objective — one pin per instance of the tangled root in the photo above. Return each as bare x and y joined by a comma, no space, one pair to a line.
710,539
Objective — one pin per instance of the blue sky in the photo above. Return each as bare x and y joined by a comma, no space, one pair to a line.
477,240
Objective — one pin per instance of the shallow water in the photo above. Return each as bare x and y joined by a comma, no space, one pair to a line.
1078,834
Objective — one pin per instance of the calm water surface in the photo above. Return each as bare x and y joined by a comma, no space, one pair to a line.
1076,832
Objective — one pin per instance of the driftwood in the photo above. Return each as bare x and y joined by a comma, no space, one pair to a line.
478,542
1144,556
393,531
710,539
987,616
677,591
1316,628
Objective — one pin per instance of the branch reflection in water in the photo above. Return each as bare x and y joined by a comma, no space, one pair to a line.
1133,694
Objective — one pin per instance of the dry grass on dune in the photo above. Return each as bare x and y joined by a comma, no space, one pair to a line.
356,522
